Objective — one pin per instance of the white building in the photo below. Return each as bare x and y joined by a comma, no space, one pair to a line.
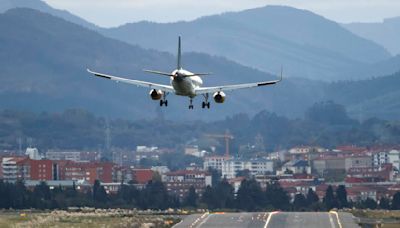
384,157
14,168
144,149
194,151
231,167
278,155
306,150
64,155
357,162
214,162
296,167
179,182
160,169
33,153
394,158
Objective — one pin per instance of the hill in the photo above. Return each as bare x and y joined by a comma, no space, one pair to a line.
44,7
386,33
44,59
377,97
308,45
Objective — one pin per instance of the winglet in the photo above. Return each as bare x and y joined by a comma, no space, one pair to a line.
98,74
89,71
281,74
179,64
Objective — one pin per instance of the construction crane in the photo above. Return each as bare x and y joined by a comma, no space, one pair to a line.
227,137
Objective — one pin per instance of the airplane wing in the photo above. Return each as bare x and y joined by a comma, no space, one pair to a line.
150,85
204,90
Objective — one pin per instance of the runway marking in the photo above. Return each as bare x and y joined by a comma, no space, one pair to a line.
337,217
331,220
177,224
199,219
269,218
207,215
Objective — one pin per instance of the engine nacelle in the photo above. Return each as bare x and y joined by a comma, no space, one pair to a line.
219,97
156,94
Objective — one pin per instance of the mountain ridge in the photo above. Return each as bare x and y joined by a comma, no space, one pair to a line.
44,61
386,33
264,38
39,5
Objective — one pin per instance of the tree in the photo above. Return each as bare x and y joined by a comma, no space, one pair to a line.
341,196
42,195
249,196
396,201
300,202
312,197
191,198
20,196
244,173
224,195
330,200
276,196
215,176
42,191
328,113
369,203
99,193
384,203
208,198
154,196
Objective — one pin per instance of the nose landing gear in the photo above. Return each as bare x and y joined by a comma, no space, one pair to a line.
191,104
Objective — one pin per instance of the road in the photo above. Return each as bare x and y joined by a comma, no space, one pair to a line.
271,220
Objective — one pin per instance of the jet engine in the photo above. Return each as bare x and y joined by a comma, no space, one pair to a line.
219,97
156,94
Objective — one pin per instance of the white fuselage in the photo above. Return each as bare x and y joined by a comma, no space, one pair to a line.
183,85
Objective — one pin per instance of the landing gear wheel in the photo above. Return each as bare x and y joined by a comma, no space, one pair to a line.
191,104
205,104
163,102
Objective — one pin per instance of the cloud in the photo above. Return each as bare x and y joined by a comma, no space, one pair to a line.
116,12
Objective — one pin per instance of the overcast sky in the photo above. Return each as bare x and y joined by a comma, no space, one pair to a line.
109,13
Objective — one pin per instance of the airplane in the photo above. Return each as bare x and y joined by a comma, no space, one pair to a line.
184,83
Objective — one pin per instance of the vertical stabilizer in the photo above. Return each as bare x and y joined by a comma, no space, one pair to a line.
179,65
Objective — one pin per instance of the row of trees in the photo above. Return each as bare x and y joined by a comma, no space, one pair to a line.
249,197
17,196
326,124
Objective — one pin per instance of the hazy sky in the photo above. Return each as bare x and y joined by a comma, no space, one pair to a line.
116,12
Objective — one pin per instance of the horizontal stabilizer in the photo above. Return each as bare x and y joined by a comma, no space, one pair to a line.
159,73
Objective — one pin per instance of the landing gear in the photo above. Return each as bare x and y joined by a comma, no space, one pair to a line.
164,101
191,104
205,103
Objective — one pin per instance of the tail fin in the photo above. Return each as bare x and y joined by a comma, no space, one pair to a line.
179,65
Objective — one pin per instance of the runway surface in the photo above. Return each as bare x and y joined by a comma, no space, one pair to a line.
222,220
269,220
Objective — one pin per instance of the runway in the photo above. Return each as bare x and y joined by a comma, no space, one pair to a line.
309,219
269,220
